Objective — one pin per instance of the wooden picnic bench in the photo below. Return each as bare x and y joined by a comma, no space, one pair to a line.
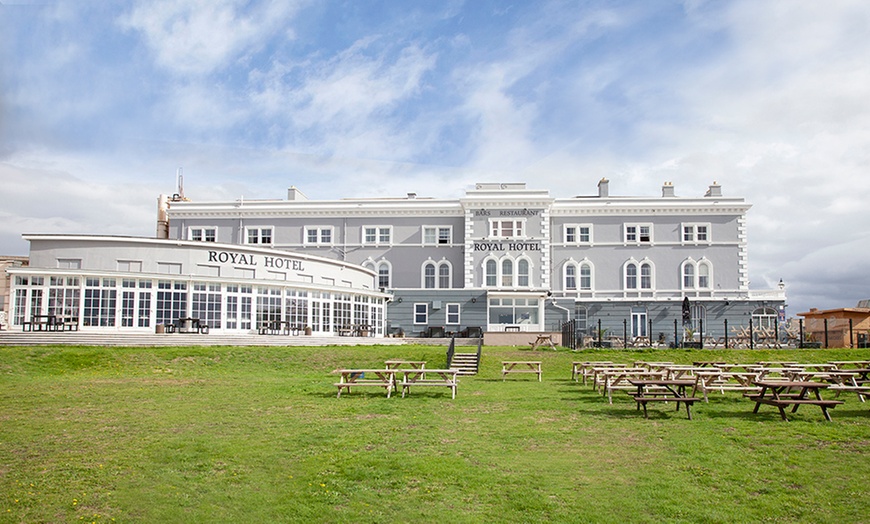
543,340
429,377
520,366
351,378
663,390
780,396
399,364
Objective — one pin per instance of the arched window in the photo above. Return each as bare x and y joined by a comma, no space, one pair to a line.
646,277
699,314
384,270
523,272
585,276
570,276
631,276
491,272
688,275
444,275
696,275
429,275
764,317
639,275
704,275
507,273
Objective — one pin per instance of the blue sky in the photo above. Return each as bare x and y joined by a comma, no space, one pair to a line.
101,103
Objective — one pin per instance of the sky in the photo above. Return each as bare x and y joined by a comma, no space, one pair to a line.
101,103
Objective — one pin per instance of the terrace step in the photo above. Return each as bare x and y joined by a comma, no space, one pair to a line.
465,363
85,338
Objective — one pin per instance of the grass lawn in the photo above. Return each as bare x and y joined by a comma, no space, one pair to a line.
225,434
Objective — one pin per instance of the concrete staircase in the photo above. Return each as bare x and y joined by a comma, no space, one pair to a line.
465,363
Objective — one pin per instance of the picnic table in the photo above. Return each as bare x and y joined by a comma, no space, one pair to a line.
187,325
542,340
722,381
584,369
413,364
351,378
429,377
780,395
40,323
611,379
520,366
663,390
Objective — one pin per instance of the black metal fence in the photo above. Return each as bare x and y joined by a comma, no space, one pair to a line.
713,335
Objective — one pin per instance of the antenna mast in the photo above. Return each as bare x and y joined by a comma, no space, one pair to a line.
180,179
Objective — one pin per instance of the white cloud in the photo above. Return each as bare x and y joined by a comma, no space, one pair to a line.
200,36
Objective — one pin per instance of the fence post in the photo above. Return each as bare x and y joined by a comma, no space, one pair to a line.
600,342
726,333
776,332
751,335
676,342
801,334
624,334
851,342
701,326
649,332
826,333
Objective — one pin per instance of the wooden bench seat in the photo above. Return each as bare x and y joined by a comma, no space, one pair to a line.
406,385
645,398
363,382
429,377
782,403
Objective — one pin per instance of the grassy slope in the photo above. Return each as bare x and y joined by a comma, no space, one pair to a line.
256,434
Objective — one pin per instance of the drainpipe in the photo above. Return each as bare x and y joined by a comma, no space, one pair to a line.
566,310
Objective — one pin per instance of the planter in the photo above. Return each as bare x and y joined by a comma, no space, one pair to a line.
308,330
812,345
603,344
692,345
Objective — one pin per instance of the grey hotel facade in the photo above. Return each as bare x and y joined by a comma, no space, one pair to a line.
503,257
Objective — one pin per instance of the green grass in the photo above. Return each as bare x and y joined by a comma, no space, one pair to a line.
222,434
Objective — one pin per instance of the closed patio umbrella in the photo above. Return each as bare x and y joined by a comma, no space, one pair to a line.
687,312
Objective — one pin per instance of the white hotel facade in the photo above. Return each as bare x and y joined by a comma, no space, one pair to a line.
501,257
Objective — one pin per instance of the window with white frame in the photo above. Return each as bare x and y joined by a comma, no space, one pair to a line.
383,269
377,235
443,275
69,263
421,313
507,273
453,314
577,276
318,235
585,276
570,275
704,275
638,233
638,275
437,275
258,235
507,228
578,233
696,233
437,235
697,275
523,272
429,275
490,272
203,234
